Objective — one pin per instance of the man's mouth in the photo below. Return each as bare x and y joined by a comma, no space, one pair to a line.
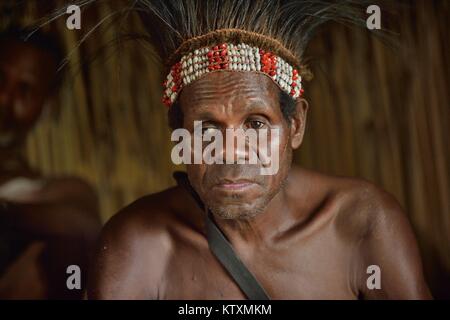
234,185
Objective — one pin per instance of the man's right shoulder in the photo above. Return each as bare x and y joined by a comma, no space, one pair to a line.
136,241
148,217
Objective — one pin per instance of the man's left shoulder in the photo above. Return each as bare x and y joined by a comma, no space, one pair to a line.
364,208
387,241
373,220
355,205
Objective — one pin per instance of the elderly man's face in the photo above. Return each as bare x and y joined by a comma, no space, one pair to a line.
26,75
238,100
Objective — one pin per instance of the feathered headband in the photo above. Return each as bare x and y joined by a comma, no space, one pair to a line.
197,37
232,54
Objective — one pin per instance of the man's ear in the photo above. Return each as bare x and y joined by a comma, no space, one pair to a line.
298,123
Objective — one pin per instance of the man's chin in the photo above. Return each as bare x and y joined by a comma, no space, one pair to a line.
235,211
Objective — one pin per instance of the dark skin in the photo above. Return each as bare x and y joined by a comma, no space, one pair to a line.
303,234
58,220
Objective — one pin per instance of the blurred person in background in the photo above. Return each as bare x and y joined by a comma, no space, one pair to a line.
46,224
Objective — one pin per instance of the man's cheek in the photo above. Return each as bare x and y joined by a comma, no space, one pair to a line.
271,145
197,176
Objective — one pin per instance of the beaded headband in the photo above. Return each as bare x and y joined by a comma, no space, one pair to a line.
231,57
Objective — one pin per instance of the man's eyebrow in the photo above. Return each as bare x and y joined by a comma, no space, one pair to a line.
257,103
204,115
203,112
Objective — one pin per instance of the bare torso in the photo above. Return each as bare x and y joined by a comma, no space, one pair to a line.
336,227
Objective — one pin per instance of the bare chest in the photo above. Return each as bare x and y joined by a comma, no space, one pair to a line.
315,268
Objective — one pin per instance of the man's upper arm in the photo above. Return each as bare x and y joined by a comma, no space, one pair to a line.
391,245
129,261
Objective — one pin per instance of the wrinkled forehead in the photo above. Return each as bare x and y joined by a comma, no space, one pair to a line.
229,88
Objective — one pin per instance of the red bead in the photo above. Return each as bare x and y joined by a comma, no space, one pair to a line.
292,92
217,59
210,54
225,66
223,45
272,73
217,66
223,52
174,88
166,101
293,84
295,72
215,48
211,67
294,77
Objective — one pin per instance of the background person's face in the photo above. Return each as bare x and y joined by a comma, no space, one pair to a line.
26,75
238,100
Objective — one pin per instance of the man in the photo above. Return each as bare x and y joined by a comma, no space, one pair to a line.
46,224
301,234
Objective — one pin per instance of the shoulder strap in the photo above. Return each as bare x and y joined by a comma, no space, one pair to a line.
223,250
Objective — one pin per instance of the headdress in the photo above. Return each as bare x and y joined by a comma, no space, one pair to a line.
196,37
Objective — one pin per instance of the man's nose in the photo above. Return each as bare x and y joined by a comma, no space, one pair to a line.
236,147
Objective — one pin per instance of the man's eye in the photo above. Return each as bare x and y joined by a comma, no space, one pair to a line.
255,124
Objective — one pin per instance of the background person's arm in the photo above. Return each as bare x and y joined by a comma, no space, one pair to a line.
64,207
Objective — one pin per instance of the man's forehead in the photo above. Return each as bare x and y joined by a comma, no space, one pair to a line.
229,88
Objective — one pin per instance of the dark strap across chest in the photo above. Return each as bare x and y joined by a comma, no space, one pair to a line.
223,250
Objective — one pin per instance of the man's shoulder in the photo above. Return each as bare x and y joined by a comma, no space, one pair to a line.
149,218
359,206
373,222
367,207
137,240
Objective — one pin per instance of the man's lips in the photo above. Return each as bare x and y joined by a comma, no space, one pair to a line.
234,185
